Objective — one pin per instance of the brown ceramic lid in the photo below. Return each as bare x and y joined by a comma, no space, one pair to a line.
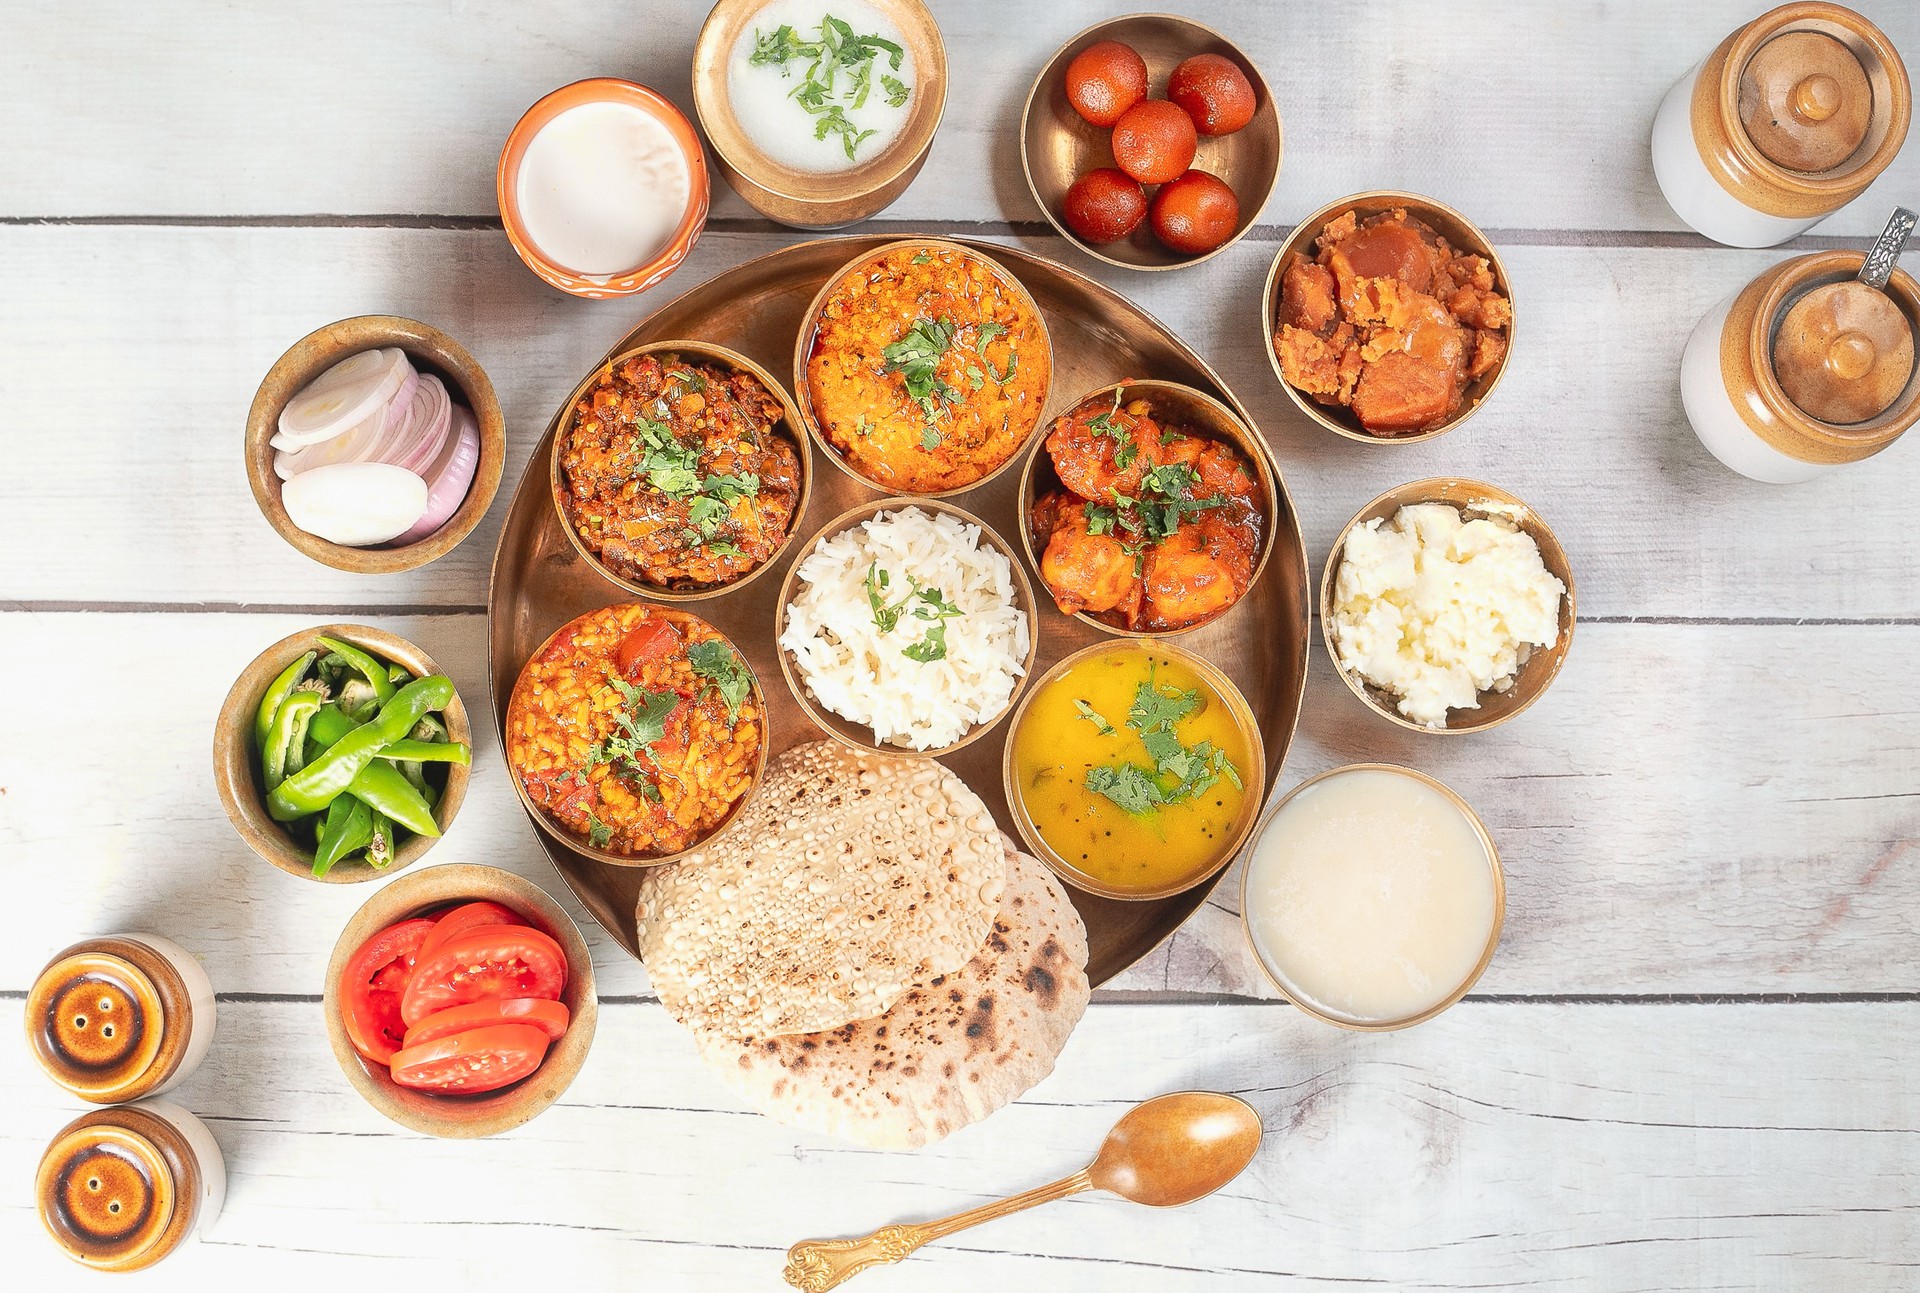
1844,353
109,1019
117,1189
1805,101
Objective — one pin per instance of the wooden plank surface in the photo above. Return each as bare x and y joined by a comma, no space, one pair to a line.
1747,873
1586,426
1501,1146
1688,1067
1527,116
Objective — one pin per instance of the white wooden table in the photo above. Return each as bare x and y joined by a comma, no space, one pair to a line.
1691,1063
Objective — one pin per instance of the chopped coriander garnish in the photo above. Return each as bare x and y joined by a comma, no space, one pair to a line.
985,333
916,357
599,834
1180,771
897,91
836,49
922,258
1129,785
922,603
641,721
716,662
1100,518
1092,715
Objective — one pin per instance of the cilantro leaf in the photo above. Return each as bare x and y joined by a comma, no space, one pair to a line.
1092,715
897,90
1156,708
716,662
1100,519
599,834
1128,785
929,648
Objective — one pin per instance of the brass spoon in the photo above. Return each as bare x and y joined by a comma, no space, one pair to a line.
1170,1150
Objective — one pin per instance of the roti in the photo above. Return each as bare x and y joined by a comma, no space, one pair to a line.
848,879
949,1052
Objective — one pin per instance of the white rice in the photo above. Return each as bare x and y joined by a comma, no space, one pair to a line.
859,673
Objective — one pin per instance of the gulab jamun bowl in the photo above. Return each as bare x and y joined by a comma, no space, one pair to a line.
1461,234
1180,152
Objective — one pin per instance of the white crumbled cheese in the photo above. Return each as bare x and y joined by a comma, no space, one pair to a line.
1435,609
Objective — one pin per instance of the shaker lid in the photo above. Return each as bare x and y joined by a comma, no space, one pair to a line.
1844,353
107,1194
1805,101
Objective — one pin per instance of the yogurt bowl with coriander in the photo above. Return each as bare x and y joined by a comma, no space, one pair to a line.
820,112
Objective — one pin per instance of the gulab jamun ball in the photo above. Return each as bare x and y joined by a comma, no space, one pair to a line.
1104,80
1214,92
1155,141
1104,205
1195,214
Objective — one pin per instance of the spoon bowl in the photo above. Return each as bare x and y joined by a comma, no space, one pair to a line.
1177,1148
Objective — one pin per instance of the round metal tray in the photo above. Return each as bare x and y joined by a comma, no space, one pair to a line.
540,582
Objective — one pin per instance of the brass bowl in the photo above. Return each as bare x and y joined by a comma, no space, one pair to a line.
1462,233
810,323
559,834
725,358
859,735
1058,145
1539,669
491,1112
431,351
1193,409
1254,778
818,199
1473,976
236,767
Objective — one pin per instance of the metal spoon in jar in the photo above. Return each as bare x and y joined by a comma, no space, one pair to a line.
1166,1152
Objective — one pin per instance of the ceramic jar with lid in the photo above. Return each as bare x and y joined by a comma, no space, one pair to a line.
121,1017
120,1188
1787,121
1804,369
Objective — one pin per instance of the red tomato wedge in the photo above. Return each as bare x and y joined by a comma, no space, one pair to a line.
480,1059
483,964
649,640
471,915
370,988
549,1017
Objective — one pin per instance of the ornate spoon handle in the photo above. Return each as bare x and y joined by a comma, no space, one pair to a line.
816,1265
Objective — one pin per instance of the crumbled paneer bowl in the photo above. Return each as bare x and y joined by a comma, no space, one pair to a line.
1435,609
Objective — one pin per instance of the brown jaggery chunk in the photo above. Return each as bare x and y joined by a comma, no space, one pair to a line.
1390,320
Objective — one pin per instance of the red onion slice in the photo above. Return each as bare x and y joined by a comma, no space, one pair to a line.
342,398
355,503
430,439
451,478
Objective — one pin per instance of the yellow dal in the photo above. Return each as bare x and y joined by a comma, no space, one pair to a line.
1054,747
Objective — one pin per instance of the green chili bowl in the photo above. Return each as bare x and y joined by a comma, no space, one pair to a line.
236,763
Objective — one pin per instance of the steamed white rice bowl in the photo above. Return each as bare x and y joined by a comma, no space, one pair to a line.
857,671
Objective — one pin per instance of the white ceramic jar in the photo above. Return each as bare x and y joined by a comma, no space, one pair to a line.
1790,118
121,1017
1733,396
119,1189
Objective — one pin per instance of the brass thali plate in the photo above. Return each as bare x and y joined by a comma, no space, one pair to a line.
540,582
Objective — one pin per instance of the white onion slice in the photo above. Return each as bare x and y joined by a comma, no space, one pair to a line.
355,503
450,477
342,398
356,445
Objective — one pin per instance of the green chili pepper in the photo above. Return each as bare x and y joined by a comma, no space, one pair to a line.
411,703
429,728
316,786
276,692
329,725
358,700
428,752
363,664
399,675
286,735
348,826
384,790
380,843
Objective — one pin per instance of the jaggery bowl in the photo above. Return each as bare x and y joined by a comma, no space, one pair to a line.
236,767
427,892
817,199
1058,146
1460,234
1223,551
635,733
1134,768
922,367
679,470
862,736
1541,666
430,351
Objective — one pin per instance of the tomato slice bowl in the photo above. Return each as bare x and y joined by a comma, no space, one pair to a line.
475,1061
489,962
550,1017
